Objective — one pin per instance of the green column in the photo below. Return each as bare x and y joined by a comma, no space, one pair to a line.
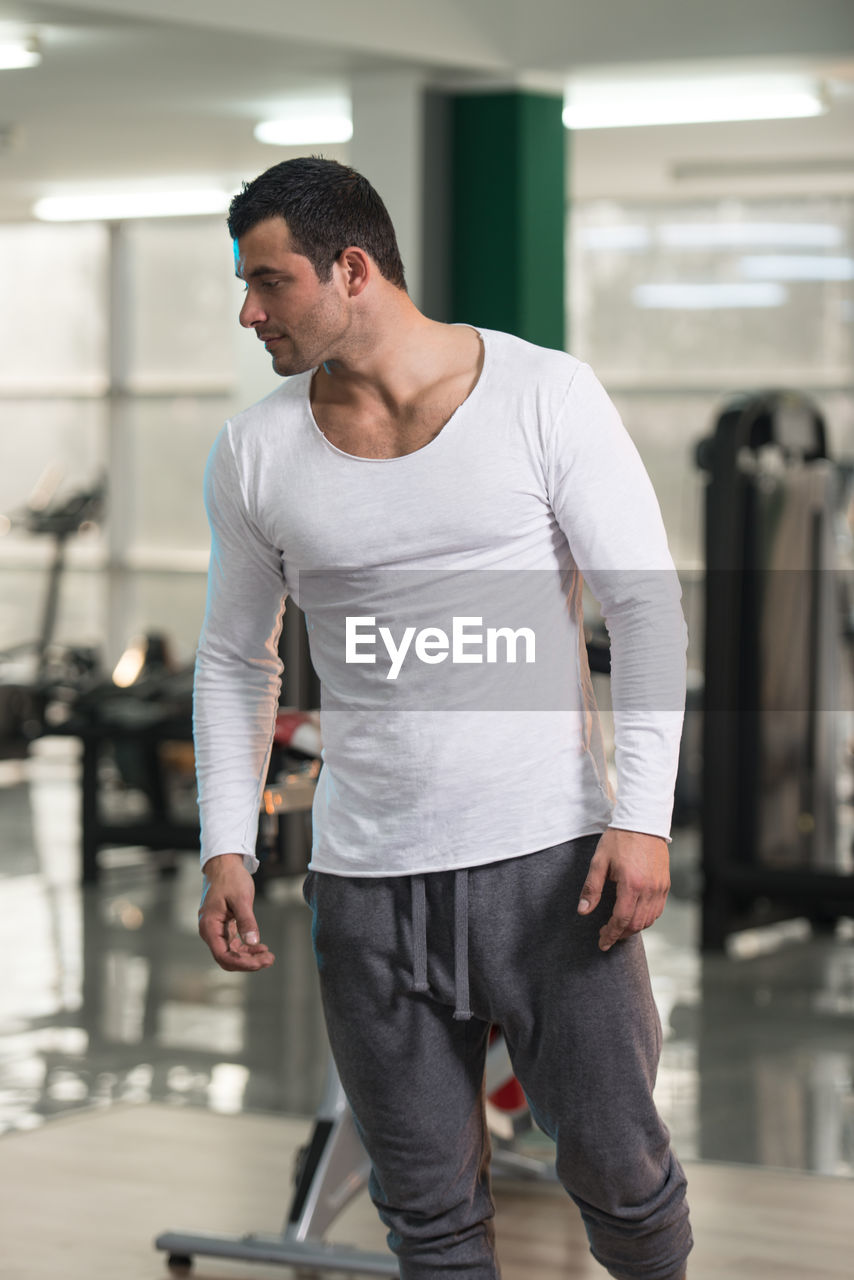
508,214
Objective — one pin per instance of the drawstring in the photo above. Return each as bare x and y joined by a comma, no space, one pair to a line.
419,935
462,1012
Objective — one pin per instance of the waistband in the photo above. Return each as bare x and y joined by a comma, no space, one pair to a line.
462,1012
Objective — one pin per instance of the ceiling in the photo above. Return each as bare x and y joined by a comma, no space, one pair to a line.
167,91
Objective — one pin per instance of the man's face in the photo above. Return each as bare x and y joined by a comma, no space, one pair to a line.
298,319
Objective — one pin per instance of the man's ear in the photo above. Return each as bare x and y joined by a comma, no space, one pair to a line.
356,269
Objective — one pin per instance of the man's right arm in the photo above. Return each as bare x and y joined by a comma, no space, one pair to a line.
237,685
226,920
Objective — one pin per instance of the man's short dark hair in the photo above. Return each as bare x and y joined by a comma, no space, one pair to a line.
328,207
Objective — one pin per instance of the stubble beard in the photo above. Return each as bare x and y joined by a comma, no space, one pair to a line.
318,331
287,366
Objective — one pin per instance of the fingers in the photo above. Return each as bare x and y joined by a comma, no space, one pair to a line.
230,951
639,866
633,912
619,925
594,884
247,926
244,960
231,932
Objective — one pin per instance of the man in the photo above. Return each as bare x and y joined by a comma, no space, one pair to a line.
469,865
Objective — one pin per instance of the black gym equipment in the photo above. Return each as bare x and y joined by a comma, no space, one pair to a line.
777,692
40,676
47,688
142,725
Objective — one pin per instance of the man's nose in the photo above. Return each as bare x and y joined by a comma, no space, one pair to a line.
250,313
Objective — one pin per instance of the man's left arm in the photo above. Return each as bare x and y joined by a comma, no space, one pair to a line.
640,866
606,506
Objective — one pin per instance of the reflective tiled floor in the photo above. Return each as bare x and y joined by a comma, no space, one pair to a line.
109,995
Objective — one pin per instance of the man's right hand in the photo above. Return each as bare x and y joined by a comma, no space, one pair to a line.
226,919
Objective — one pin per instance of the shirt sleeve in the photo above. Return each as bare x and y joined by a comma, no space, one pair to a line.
605,504
238,671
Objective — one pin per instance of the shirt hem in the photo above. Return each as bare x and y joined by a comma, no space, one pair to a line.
461,863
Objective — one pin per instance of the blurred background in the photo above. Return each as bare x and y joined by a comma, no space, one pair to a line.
121,355
667,191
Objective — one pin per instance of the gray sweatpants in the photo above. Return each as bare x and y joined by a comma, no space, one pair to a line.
581,1028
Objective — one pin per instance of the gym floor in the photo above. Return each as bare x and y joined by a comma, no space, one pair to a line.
114,1001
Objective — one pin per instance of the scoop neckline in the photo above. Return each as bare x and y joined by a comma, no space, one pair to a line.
403,457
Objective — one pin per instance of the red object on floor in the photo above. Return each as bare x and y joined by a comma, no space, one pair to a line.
510,1097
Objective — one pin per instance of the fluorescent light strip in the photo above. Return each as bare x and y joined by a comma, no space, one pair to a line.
707,297
15,54
114,206
768,266
625,236
306,127
712,235
620,111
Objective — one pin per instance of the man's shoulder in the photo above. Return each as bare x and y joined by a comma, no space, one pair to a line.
284,401
518,353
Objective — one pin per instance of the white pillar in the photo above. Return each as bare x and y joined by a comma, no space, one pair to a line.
121,503
388,147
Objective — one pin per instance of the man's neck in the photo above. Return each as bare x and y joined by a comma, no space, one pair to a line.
392,365
402,395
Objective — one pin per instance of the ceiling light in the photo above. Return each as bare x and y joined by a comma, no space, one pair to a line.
714,235
111,206
596,104
707,297
19,53
304,123
620,236
770,266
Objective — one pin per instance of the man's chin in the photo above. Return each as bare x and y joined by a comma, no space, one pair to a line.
286,366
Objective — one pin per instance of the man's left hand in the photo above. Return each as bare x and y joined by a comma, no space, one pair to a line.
640,867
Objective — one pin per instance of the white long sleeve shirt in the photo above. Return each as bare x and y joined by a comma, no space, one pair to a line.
442,592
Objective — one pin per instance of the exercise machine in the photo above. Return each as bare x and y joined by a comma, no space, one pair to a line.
333,1168
38,675
777,709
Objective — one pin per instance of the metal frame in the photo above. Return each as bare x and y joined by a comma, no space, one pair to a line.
332,1169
